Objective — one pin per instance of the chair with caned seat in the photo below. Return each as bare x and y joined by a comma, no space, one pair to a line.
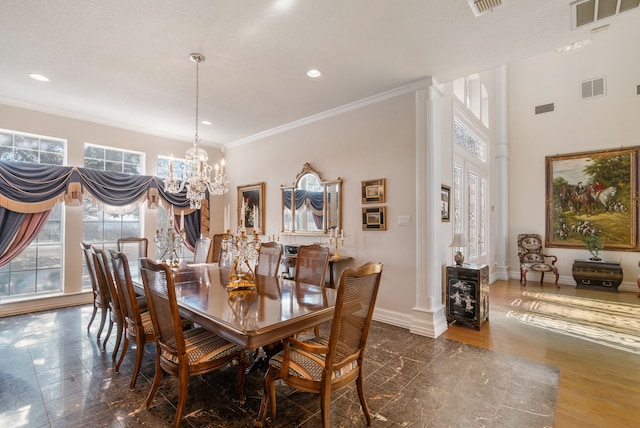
101,263
323,365
138,322
99,301
201,250
134,247
269,256
187,353
215,248
532,258
311,266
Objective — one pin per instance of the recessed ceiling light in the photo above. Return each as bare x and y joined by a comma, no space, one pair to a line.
207,122
39,77
314,73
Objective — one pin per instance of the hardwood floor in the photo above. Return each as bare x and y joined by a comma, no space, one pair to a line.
598,387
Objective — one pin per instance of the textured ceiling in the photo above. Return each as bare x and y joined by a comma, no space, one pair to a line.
126,63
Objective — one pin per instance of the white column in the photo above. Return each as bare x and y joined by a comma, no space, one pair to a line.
502,174
428,318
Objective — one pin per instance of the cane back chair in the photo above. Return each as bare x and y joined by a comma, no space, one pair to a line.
187,353
105,278
138,326
324,365
269,256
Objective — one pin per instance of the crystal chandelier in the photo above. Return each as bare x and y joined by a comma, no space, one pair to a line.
196,169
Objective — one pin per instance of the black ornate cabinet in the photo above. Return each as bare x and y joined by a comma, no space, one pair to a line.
467,294
597,275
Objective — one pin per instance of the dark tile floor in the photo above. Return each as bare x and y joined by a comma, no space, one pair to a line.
53,374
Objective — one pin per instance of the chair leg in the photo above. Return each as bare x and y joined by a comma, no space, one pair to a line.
118,340
541,277
156,378
523,277
104,344
138,363
183,386
557,278
363,401
93,315
325,403
103,319
242,365
125,347
268,397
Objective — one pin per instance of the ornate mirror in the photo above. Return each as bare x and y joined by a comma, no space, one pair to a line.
311,206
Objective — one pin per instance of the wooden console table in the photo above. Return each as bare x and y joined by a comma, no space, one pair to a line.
594,275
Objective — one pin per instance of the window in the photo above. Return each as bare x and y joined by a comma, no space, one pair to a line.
103,228
473,94
38,269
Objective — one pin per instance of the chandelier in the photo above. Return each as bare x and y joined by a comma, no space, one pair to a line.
196,169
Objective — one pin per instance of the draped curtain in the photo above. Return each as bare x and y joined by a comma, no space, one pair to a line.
29,191
310,200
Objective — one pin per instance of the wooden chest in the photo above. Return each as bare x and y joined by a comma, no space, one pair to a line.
593,275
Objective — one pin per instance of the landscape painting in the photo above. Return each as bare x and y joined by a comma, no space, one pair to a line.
592,194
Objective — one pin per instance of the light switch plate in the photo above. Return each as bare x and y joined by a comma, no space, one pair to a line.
404,220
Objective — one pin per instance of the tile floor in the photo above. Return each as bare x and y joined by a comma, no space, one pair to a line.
53,374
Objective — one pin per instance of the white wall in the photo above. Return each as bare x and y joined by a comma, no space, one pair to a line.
576,125
375,141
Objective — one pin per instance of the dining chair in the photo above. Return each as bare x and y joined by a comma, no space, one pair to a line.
201,250
105,278
323,365
311,267
311,264
98,300
134,247
138,326
187,353
214,250
269,256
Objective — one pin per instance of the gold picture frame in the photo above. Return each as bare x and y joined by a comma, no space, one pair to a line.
373,191
592,194
374,218
251,208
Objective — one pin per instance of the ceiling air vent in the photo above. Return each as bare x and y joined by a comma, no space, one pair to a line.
593,88
480,7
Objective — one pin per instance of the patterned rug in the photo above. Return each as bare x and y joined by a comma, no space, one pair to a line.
608,323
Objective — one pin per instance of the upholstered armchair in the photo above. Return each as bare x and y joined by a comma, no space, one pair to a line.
533,259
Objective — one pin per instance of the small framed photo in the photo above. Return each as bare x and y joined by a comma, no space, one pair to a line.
374,218
445,199
251,208
373,191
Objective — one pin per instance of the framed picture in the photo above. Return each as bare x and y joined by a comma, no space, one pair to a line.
373,191
374,218
445,206
592,194
251,208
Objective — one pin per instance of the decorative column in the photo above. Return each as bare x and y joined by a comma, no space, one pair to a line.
502,174
428,316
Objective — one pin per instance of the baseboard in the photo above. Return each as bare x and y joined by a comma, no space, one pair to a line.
44,304
397,319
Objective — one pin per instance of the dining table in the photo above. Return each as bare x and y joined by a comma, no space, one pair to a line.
275,309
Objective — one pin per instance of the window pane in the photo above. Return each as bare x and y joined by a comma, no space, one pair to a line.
114,155
49,280
49,256
26,156
52,158
93,152
113,167
134,158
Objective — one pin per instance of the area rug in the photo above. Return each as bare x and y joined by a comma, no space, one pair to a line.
608,323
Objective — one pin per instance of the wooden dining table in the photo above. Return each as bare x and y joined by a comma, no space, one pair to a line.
278,308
